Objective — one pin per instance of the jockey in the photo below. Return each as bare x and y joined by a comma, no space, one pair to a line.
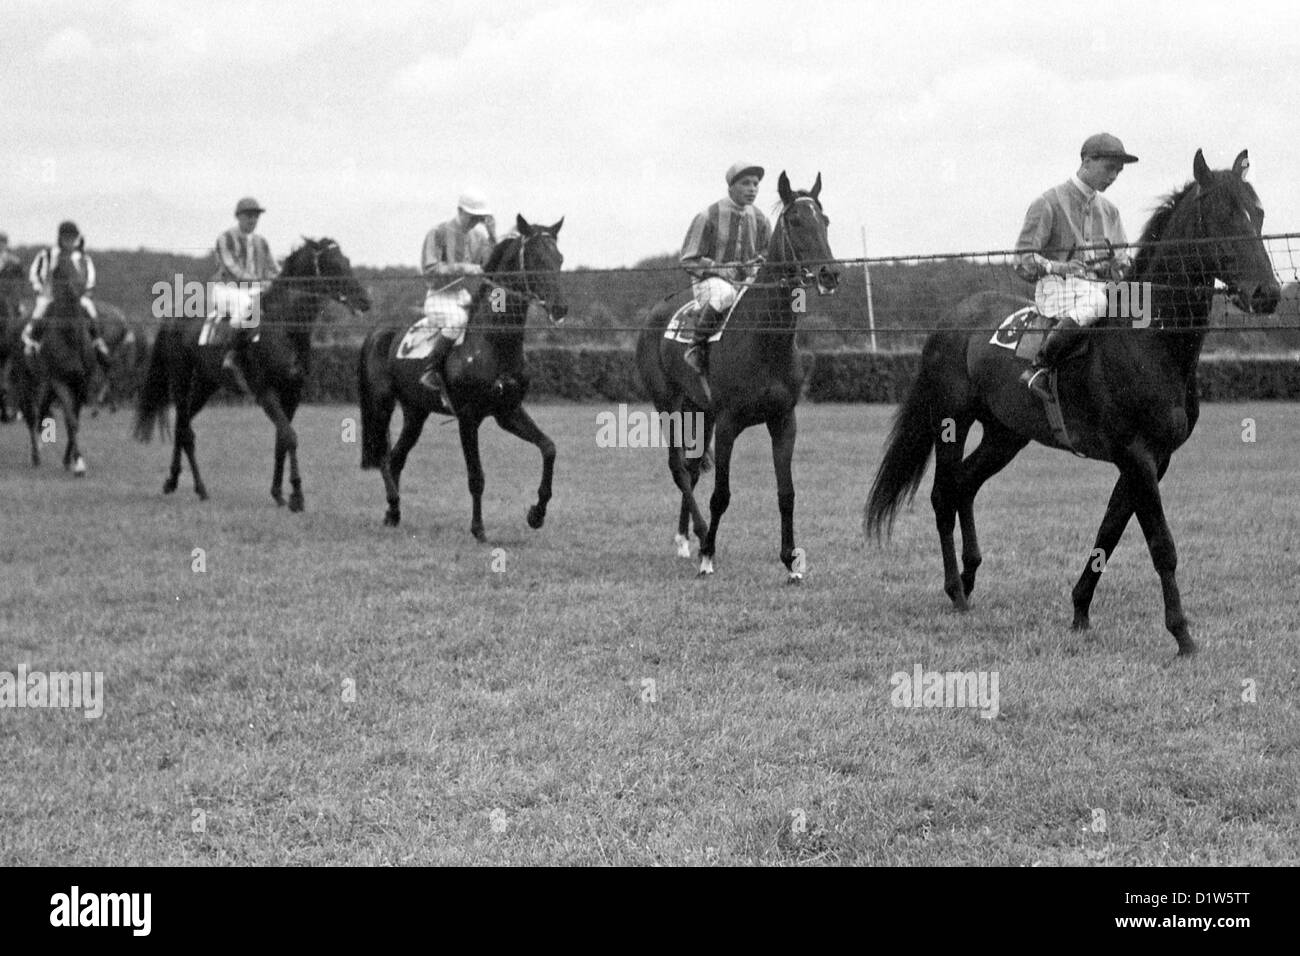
453,251
245,269
721,251
41,276
1061,220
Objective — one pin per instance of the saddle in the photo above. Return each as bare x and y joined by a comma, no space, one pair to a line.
681,327
420,338
1024,332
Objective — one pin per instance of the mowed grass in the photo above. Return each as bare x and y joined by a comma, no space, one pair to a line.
500,715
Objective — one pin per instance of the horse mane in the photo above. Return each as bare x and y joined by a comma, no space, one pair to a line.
1157,227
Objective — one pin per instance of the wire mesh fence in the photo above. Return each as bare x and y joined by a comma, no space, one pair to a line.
886,303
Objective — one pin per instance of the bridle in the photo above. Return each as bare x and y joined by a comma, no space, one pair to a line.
790,255
528,295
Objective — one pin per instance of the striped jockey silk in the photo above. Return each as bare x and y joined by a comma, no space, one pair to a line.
244,257
1068,217
447,244
726,232
42,269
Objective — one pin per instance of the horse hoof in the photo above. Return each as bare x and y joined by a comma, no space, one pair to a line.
478,534
706,568
392,519
1187,647
794,578
683,546
168,487
79,467
202,493
296,503
1081,624
536,517
279,498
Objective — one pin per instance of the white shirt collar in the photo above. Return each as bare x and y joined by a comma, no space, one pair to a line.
1079,184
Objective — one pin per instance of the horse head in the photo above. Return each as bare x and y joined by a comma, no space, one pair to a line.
322,267
799,237
1221,213
529,264
69,285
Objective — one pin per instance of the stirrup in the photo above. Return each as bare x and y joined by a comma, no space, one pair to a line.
1034,381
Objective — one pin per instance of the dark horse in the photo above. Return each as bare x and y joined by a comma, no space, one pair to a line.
61,369
485,373
185,373
754,372
1131,400
13,286
128,350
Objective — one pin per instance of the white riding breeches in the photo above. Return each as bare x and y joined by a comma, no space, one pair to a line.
448,310
1084,300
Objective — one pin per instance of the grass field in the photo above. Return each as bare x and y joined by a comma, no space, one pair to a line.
331,691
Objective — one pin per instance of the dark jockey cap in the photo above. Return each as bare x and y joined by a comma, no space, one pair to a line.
68,229
1107,147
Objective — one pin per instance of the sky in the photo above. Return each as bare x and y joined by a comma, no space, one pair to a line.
933,125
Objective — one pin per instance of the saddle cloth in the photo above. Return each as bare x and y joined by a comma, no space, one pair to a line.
1024,332
420,338
681,327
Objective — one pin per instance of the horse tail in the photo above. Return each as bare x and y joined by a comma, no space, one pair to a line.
156,392
376,408
907,453
648,363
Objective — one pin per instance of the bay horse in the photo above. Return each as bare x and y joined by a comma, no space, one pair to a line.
755,375
1131,400
485,373
61,368
186,373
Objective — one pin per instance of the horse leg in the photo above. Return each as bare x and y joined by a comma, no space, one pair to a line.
996,450
289,403
474,470
685,478
693,468
412,427
71,408
1144,472
944,495
198,397
1118,511
519,422
724,437
783,431
286,442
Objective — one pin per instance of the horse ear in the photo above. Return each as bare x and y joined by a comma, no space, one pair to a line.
1241,164
555,229
817,187
1200,169
522,225
783,189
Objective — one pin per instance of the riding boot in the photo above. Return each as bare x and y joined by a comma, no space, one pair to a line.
697,355
1058,342
433,377
234,360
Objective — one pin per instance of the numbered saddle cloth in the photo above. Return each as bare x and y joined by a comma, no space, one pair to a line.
681,327
1023,332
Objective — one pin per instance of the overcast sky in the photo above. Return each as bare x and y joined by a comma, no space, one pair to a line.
933,125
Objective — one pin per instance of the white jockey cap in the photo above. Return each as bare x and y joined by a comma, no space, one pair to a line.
472,201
